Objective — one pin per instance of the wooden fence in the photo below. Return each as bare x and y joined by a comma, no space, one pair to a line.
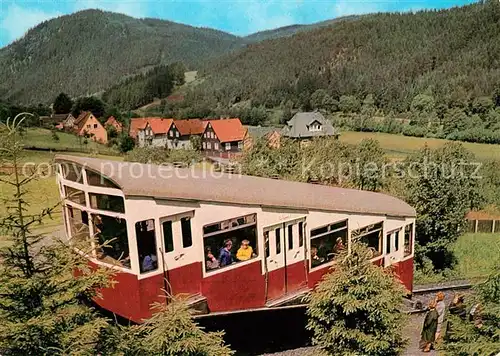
484,226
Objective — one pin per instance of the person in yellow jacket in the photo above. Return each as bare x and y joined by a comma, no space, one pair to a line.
245,252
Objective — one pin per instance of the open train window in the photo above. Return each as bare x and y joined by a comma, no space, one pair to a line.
408,239
72,171
107,202
146,245
168,236
112,237
79,228
75,195
327,242
187,237
230,241
371,236
98,180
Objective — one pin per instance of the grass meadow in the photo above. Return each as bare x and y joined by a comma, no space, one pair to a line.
399,146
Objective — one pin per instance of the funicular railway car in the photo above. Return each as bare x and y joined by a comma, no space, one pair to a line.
225,242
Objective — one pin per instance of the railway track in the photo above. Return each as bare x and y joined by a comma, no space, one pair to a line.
422,294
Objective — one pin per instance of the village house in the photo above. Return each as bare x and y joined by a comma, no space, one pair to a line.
87,125
223,138
270,134
305,126
112,122
56,120
187,129
156,132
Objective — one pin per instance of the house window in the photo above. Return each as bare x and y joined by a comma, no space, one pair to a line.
176,133
146,245
111,234
228,146
88,126
372,237
95,126
204,145
168,236
209,146
327,242
107,202
216,146
187,237
408,239
230,242
75,195
240,145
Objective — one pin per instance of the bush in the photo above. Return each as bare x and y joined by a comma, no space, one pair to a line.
356,309
158,155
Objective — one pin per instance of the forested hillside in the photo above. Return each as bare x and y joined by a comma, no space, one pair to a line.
91,50
452,55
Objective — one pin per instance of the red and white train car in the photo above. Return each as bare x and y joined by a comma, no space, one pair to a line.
160,223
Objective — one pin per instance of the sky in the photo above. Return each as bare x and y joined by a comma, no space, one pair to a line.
240,17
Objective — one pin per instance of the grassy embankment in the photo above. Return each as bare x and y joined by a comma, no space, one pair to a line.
476,256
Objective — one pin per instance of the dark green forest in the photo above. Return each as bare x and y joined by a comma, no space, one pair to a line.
89,51
452,55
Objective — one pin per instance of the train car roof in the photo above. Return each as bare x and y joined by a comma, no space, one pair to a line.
161,182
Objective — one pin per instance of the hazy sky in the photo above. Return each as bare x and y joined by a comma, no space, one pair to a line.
239,17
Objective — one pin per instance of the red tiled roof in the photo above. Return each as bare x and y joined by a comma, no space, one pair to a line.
113,122
228,130
138,124
160,126
190,127
82,119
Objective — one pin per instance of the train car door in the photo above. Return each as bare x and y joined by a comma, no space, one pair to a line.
391,246
274,239
295,266
180,264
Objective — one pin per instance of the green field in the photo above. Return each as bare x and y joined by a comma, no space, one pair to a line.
399,146
42,139
476,255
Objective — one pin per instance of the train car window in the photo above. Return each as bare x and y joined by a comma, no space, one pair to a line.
72,171
146,245
290,237
75,195
388,244
107,202
371,236
408,239
266,243
230,241
168,236
278,241
112,237
98,180
327,242
396,241
301,234
187,237
79,228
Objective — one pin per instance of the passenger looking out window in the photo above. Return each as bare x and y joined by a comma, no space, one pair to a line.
230,241
327,242
245,251
146,245
315,259
225,257
211,261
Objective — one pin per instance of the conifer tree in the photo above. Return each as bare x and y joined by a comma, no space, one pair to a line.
171,332
356,309
480,336
40,298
